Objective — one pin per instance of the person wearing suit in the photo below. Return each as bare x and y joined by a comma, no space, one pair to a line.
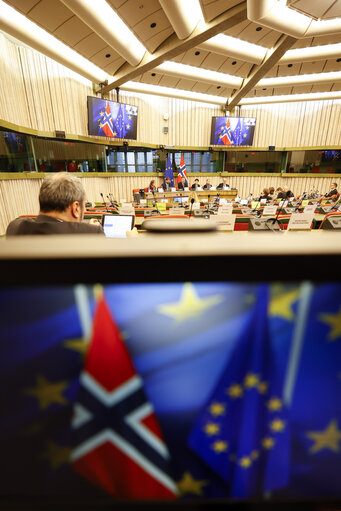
223,185
167,185
207,185
195,185
182,184
333,191
62,205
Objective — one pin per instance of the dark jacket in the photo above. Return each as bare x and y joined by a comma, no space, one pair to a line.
332,192
207,186
167,187
44,224
181,185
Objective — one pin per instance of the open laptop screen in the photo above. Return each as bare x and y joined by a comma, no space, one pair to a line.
116,226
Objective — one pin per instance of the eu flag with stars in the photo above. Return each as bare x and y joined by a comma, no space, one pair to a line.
242,431
169,170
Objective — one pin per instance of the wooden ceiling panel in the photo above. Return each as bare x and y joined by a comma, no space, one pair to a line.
101,60
332,65
213,61
168,81
50,15
191,59
135,11
179,58
148,78
285,70
282,91
303,43
336,86
301,89
327,39
321,87
90,45
153,43
185,84
312,67
23,6
72,31
237,29
201,87
212,9
112,67
116,4
262,92
230,68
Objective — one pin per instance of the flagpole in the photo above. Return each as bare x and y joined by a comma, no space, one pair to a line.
84,311
306,293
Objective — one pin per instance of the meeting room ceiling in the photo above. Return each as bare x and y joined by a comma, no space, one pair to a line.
188,50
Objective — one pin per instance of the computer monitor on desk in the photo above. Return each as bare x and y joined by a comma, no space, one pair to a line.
189,351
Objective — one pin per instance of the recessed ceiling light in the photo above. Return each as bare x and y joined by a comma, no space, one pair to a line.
264,89
258,29
338,60
289,65
234,63
218,86
197,53
153,25
108,55
153,74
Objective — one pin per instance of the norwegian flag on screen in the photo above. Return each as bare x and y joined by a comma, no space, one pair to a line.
182,171
107,122
118,442
226,134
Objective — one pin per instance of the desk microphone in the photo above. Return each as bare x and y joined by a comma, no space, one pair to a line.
105,204
190,209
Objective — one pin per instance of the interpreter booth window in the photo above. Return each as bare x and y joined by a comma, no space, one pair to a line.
130,158
64,155
321,161
16,153
256,161
207,163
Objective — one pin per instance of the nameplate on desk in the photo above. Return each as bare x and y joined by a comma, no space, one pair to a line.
177,211
196,205
263,201
186,189
309,208
126,210
204,200
223,201
173,189
300,221
160,190
161,205
143,201
283,204
244,202
213,188
255,204
226,209
269,210
164,200
305,202
225,222
199,189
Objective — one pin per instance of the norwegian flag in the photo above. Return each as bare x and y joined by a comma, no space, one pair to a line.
118,442
182,171
107,122
226,134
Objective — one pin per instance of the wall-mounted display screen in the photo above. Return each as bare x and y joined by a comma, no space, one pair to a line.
232,131
110,119
332,155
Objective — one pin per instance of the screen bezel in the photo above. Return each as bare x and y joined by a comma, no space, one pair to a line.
132,221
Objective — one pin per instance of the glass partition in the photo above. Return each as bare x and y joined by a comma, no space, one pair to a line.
16,154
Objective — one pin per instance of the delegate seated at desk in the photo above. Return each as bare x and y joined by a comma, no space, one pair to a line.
195,185
223,185
62,205
167,185
182,184
207,185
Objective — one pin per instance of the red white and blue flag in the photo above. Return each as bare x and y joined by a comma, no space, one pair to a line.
182,171
226,134
118,441
107,123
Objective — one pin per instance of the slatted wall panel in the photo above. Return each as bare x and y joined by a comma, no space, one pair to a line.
20,196
297,124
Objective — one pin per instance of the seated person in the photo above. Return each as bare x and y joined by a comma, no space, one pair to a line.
271,193
333,193
62,205
288,192
152,187
223,185
182,184
72,166
167,185
196,184
207,185
265,194
281,194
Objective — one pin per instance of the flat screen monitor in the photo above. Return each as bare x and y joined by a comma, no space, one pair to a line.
331,155
110,119
116,226
232,131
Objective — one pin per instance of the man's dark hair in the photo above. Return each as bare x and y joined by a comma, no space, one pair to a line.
59,191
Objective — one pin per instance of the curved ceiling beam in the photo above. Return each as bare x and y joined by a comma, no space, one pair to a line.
103,20
199,74
311,53
15,24
276,15
183,16
234,47
312,79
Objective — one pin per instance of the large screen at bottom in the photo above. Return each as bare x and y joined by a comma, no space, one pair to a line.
168,391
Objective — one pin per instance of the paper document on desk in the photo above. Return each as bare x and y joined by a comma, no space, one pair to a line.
225,209
300,221
269,210
225,222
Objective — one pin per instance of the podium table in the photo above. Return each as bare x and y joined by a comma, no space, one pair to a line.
202,194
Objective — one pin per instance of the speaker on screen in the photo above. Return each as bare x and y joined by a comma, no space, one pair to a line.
110,119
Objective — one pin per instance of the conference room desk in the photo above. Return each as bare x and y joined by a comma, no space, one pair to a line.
202,194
